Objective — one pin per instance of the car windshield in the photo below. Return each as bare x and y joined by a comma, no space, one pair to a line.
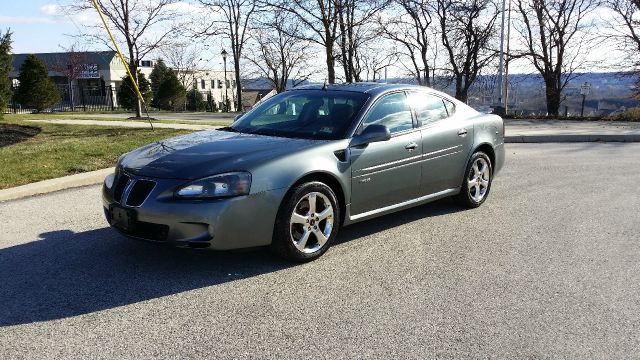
310,114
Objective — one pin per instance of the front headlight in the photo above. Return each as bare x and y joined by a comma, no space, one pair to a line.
216,186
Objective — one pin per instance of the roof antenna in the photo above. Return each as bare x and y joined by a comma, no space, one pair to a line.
324,87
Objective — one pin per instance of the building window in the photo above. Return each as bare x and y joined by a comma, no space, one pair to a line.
226,83
213,84
203,84
219,84
146,63
233,83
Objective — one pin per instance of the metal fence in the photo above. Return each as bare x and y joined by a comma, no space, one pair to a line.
75,98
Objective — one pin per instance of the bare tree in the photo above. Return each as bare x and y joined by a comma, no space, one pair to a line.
183,58
553,32
467,29
136,22
373,60
231,19
321,20
70,65
412,30
276,55
625,31
356,29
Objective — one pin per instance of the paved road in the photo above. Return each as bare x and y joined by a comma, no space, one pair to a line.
549,267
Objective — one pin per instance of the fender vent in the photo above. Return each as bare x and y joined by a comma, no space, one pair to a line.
341,155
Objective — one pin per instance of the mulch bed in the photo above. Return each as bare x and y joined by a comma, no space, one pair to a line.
12,134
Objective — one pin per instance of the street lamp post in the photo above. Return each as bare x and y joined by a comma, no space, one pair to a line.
195,88
226,94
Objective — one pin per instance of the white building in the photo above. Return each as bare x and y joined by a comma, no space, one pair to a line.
212,85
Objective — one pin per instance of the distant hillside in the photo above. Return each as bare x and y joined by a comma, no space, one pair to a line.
610,92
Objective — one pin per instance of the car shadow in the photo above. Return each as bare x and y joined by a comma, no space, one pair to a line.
64,274
365,228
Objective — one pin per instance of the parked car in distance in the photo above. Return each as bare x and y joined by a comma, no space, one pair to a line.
293,170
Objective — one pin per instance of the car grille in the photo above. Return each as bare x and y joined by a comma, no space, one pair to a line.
139,192
122,180
131,191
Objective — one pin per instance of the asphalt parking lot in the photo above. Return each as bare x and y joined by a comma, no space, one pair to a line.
548,267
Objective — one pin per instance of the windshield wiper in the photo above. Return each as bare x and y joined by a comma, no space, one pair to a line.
228,128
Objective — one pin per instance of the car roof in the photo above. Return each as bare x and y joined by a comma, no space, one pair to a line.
372,88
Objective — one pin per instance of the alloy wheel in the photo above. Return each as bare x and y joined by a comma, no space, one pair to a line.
311,222
478,179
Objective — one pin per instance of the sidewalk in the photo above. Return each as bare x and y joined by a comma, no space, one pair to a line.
129,124
544,131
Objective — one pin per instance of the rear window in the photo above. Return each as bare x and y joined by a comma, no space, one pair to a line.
429,108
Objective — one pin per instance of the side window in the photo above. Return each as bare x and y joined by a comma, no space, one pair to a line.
451,108
392,111
428,108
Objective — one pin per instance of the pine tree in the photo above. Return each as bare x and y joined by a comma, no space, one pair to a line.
127,96
195,101
171,94
36,89
158,75
5,68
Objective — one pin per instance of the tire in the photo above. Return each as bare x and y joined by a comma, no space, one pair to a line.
301,234
476,182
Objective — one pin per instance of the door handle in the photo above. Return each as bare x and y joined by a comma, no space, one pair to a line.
462,132
411,146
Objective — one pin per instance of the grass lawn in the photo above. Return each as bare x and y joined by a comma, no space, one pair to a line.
45,151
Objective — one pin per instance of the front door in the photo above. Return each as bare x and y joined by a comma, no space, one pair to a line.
388,172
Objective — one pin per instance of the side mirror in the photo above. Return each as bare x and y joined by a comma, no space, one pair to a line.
237,117
372,133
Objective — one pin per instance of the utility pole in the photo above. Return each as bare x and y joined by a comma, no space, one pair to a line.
506,64
501,65
585,89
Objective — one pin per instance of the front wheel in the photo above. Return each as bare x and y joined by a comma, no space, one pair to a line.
307,222
477,181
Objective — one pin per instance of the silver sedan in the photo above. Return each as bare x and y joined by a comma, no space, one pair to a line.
293,170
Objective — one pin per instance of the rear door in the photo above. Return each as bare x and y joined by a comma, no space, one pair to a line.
446,142
387,172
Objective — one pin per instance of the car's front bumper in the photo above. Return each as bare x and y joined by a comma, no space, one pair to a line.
221,224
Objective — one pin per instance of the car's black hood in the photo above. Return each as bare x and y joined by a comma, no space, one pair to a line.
206,153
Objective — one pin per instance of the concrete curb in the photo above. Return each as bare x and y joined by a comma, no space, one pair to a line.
568,138
47,186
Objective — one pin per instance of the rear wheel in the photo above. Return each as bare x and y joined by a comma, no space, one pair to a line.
477,181
307,222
